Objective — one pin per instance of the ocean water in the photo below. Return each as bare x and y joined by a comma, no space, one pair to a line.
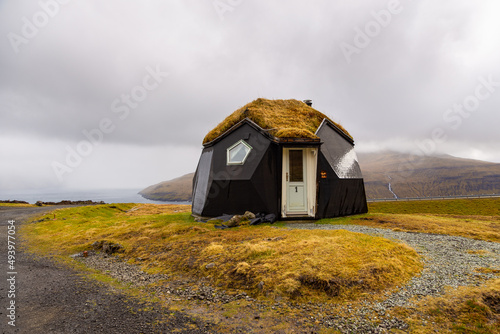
106,195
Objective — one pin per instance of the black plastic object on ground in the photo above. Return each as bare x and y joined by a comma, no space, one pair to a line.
262,218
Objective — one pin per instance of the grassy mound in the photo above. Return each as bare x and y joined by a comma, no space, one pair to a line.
263,260
282,118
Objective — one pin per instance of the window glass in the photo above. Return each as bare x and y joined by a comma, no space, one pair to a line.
296,166
237,154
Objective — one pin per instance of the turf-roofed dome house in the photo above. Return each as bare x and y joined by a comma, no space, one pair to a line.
281,157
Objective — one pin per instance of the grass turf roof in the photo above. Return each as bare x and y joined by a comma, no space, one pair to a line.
281,118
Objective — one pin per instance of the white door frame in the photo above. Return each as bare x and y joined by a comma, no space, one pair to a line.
310,157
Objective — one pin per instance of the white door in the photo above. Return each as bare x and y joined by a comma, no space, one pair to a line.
298,193
296,181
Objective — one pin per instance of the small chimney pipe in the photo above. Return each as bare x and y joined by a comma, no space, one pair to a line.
308,102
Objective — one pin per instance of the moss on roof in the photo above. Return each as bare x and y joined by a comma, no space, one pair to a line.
281,118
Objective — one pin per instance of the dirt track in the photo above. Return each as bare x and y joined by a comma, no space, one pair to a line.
54,299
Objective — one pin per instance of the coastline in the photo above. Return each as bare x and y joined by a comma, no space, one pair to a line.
97,195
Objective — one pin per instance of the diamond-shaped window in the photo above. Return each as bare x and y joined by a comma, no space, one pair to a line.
238,153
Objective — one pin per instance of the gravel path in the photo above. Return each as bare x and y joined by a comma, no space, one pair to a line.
174,289
448,261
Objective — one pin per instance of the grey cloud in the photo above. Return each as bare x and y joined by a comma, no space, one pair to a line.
396,89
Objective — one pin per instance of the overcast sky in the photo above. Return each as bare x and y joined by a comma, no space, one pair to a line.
120,93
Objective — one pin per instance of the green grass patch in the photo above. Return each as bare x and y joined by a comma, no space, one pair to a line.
18,205
463,207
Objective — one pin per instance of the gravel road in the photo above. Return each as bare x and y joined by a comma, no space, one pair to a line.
54,299
448,261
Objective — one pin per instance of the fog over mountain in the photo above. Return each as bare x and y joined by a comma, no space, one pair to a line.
100,94
388,175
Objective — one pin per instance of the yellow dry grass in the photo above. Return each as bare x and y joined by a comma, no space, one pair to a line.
474,227
157,209
264,261
282,118
464,310
298,263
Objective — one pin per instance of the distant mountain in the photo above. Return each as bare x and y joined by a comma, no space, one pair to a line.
426,176
408,176
178,189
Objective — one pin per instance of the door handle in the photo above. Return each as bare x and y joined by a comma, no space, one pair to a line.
296,190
